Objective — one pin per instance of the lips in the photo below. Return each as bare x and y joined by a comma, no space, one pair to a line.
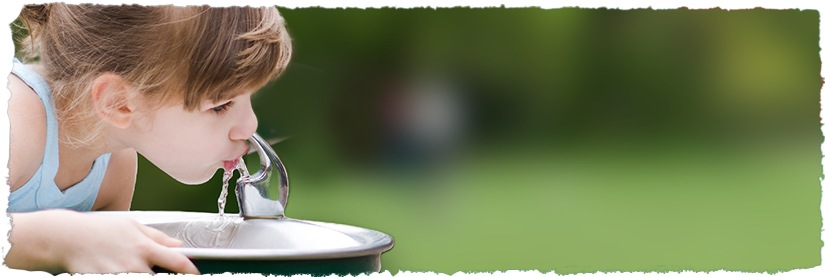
231,165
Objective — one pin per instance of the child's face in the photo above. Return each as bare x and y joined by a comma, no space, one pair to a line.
191,146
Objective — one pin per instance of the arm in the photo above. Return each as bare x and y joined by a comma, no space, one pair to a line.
27,137
67,241
5,145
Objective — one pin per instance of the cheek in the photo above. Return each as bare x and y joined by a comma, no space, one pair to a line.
190,152
186,149
188,168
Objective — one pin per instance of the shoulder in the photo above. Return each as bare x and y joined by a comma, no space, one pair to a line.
118,184
27,140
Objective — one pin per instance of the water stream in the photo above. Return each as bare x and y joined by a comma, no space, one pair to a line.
227,174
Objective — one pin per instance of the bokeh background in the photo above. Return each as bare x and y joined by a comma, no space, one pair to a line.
567,140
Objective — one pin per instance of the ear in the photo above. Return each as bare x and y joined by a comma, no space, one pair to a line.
113,100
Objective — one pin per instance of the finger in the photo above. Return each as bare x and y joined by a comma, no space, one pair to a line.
87,268
158,236
94,273
171,260
137,273
109,271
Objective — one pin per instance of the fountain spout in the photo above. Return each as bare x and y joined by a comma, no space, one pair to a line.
258,197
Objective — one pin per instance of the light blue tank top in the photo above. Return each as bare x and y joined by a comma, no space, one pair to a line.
40,192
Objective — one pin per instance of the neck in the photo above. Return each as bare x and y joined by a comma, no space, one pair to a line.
76,162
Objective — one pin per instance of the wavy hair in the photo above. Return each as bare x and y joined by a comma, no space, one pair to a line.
169,54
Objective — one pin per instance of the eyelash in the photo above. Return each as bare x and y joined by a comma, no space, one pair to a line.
222,108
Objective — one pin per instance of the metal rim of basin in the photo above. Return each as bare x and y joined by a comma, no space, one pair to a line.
371,242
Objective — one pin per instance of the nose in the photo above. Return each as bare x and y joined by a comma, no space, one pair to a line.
246,125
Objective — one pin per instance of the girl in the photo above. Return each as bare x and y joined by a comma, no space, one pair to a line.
170,83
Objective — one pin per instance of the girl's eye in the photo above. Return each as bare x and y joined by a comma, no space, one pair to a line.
222,108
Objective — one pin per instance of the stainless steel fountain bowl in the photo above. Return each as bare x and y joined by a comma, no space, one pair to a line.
268,246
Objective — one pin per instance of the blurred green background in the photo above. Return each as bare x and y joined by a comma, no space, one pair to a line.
571,140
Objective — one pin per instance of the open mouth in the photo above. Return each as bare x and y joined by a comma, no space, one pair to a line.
231,165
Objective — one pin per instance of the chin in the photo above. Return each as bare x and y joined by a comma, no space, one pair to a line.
195,180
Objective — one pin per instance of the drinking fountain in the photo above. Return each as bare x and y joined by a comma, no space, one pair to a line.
260,239
258,196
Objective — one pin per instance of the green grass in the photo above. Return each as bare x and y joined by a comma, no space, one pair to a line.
586,212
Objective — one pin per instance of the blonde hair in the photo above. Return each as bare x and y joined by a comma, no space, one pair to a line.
169,54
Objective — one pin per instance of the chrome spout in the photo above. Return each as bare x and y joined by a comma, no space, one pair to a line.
258,197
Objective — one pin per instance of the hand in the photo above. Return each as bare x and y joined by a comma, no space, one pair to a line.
67,241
